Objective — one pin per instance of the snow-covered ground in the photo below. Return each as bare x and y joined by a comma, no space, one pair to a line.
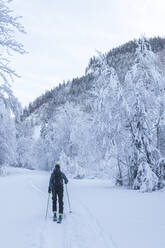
103,216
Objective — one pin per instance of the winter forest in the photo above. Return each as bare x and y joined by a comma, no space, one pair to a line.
106,124
83,164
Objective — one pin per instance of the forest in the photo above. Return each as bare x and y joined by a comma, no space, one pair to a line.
106,124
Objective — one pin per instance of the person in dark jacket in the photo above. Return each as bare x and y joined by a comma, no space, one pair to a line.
56,188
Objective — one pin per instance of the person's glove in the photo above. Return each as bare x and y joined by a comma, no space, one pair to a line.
49,190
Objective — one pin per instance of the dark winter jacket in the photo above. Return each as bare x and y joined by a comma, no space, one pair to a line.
56,180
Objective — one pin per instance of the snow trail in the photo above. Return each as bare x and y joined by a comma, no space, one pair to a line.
103,216
79,230
47,235
108,240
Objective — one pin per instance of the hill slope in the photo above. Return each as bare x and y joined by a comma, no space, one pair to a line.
105,124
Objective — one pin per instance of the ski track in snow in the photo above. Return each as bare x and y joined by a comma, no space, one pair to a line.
79,229
49,235
82,224
107,240
102,217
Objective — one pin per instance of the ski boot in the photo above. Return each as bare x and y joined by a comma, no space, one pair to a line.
55,216
59,219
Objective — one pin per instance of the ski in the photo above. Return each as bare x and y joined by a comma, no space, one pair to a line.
55,219
59,221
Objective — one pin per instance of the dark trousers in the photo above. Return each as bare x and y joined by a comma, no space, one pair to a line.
58,193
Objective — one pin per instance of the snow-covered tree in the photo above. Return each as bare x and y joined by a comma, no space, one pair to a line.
7,137
9,106
107,112
9,25
25,143
144,88
146,180
160,172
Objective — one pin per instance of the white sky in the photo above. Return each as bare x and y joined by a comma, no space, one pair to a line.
63,34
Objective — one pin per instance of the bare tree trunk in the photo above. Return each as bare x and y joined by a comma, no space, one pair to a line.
120,178
158,136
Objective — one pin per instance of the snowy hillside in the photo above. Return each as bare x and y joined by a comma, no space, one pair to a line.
103,215
104,131
106,124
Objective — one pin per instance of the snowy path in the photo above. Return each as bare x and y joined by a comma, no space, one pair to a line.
103,216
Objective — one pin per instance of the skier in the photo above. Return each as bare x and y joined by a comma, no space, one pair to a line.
57,189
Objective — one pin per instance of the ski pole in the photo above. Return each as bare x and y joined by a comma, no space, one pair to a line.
70,211
47,206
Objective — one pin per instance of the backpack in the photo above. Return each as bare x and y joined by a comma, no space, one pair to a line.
57,179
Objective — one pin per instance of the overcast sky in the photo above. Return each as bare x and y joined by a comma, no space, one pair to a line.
63,34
